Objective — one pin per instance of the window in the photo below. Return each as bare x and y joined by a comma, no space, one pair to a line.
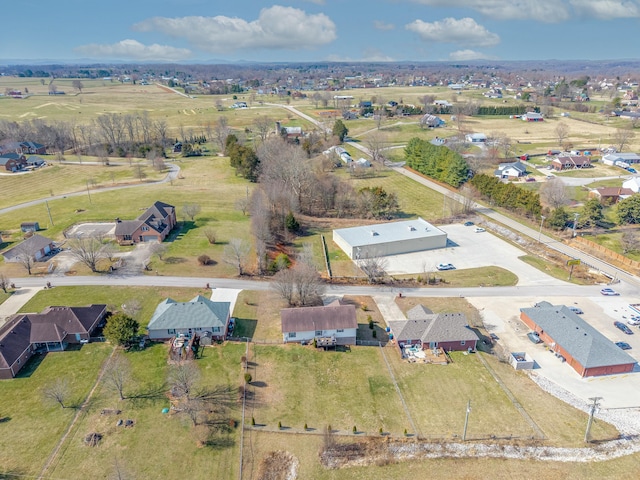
318,333
292,334
463,342
171,331
145,228
340,330
216,329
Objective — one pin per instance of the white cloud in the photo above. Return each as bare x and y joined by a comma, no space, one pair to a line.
450,30
470,55
277,27
606,9
379,25
549,11
134,50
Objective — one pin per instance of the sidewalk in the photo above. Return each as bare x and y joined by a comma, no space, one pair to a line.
16,301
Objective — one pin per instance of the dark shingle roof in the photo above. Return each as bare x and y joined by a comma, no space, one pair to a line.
31,245
14,339
330,317
583,342
423,325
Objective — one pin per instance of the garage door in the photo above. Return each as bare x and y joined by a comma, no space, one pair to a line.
149,238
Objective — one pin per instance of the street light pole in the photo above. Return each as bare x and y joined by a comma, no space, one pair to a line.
466,421
88,193
575,221
592,412
542,219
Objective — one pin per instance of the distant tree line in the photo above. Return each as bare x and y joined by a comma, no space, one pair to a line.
502,109
437,162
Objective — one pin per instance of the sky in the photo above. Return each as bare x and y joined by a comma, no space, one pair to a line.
204,31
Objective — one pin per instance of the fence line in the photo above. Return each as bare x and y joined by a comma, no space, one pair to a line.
325,254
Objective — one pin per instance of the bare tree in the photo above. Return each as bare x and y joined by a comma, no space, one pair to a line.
554,192
308,283
284,284
221,131
183,379
77,84
109,250
264,126
211,235
562,132
236,253
57,391
190,210
374,267
622,137
376,143
242,204
88,250
630,242
118,374
469,196
25,258
159,249
132,307
5,283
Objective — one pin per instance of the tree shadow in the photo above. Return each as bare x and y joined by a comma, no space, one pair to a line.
217,442
151,394
31,366
4,420
174,260
259,384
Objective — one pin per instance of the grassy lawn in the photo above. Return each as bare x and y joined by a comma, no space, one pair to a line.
613,241
113,297
554,270
60,179
472,277
31,428
3,296
598,170
151,448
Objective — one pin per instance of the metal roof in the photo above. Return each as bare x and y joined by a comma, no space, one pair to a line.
583,342
388,232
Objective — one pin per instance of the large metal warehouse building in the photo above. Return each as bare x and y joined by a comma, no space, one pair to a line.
389,239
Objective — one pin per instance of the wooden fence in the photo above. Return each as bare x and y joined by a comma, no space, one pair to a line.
607,254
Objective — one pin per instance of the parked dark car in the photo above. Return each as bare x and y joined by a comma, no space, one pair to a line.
623,327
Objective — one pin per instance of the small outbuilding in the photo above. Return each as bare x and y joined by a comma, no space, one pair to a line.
392,238
29,227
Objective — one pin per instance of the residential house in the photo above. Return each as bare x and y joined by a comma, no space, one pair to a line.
51,330
476,138
29,227
33,148
35,162
152,226
584,348
610,195
621,159
431,121
632,184
336,322
177,147
199,316
570,162
448,331
511,170
532,117
36,246
13,162
288,132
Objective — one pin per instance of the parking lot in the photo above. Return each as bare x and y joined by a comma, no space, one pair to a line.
469,249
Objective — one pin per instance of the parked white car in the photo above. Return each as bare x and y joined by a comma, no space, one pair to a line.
480,230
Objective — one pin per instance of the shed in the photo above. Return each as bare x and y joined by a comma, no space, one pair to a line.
29,226
392,238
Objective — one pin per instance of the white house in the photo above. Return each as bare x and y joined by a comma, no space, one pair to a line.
511,170
330,325
620,158
476,138
632,184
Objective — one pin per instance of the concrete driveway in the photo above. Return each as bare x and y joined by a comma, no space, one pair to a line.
100,229
468,249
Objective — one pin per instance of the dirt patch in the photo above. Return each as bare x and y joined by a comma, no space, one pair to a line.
278,465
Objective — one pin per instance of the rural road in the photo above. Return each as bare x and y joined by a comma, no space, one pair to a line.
174,170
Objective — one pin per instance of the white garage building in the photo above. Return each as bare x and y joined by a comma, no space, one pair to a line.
389,239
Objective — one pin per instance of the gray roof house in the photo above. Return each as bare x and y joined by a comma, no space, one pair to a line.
199,316
449,331
36,245
584,348
511,170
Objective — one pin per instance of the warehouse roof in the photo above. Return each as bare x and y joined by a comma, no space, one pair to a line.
389,232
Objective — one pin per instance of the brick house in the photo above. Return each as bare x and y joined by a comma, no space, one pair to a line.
568,163
335,321
13,162
152,226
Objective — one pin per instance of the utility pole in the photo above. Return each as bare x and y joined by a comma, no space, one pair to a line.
575,222
592,412
542,218
466,421
49,212
88,193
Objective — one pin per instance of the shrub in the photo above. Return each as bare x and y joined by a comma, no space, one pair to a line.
405,432
370,320
374,334
248,377
355,430
253,422
204,259
279,425
305,427
381,431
